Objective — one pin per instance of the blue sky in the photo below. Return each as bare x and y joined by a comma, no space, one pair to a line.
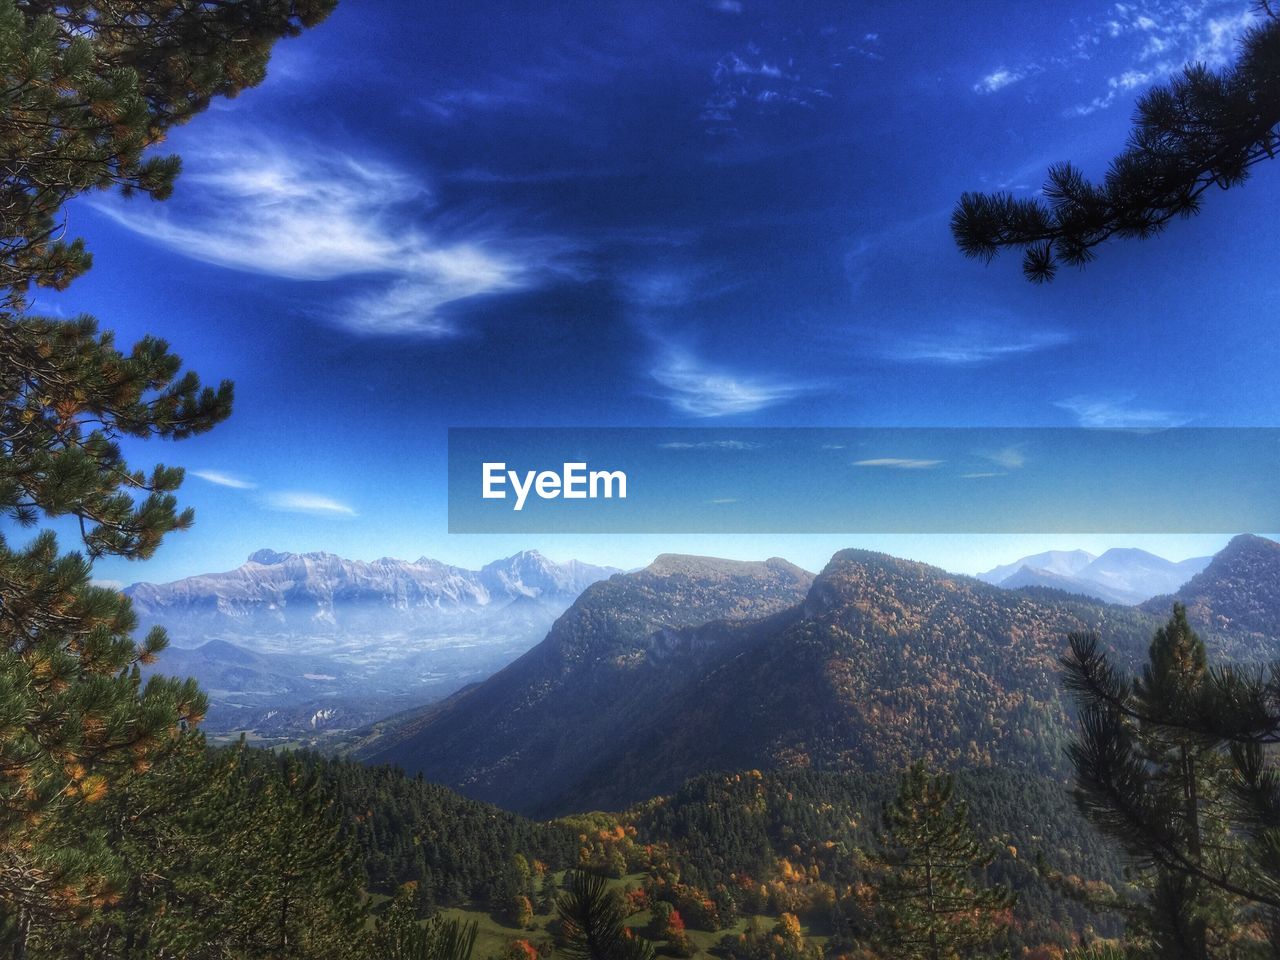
667,214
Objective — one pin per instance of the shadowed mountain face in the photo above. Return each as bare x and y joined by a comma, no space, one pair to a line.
294,643
1235,601
1121,575
654,677
627,648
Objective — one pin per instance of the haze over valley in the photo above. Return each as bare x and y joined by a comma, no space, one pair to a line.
299,644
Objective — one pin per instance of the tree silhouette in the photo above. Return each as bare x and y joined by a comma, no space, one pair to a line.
1201,130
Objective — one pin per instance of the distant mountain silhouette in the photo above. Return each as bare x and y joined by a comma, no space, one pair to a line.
1120,575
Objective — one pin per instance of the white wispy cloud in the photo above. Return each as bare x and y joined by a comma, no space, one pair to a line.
1119,412
301,501
1163,36
781,76
973,343
1118,85
711,445
899,463
412,304
501,95
723,500
998,80
732,63
668,286
292,501
307,213
1217,40
983,475
701,390
1011,457
224,479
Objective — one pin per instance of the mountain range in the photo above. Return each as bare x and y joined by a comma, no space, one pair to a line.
1120,575
299,646
695,664
304,595
292,643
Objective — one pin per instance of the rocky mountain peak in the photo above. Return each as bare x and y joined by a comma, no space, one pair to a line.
268,557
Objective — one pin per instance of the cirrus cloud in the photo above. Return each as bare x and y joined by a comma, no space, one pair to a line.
698,389
972,343
1118,412
304,213
302,501
224,479
1163,36
998,80
711,445
899,463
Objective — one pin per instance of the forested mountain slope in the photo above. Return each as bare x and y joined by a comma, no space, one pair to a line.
643,684
1235,600
615,656
718,848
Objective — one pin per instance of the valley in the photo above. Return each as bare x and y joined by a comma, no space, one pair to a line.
303,648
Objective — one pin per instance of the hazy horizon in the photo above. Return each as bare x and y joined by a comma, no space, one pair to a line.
956,553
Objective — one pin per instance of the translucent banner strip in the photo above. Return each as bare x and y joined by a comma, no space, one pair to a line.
863,480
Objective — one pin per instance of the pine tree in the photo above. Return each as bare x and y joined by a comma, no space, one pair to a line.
1156,771
398,935
225,852
293,873
1203,129
89,87
593,922
74,713
929,905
